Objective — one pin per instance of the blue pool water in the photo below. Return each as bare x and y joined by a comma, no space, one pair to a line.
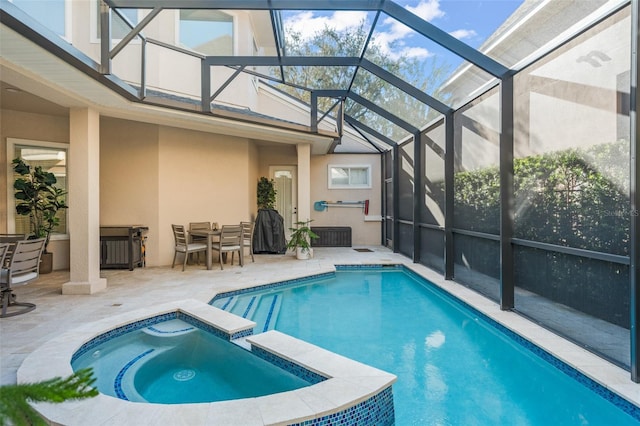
454,367
173,362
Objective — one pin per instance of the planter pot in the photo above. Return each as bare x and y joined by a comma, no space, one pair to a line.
304,254
46,263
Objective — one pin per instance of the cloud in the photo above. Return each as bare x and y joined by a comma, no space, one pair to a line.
389,32
416,52
462,34
427,10
399,33
308,24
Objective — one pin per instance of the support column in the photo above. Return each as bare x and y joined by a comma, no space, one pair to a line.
84,203
418,192
634,250
304,181
449,175
507,277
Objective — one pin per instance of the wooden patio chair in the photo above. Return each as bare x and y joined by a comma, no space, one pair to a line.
230,241
198,226
247,237
182,245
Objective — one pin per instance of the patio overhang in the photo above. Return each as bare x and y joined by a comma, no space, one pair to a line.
74,85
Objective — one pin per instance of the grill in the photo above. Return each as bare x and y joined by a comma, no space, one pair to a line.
122,247
332,236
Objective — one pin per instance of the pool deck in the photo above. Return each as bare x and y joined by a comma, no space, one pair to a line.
129,291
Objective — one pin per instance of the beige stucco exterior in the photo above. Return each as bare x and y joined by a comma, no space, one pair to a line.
156,168
156,175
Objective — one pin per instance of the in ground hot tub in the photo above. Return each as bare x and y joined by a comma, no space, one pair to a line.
175,361
327,387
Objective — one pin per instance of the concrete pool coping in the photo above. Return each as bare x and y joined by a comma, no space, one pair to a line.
349,382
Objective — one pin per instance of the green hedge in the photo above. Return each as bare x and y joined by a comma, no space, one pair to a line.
576,197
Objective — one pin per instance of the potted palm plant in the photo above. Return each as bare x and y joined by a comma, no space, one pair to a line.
300,239
40,199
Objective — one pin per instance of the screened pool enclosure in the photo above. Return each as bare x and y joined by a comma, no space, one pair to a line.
515,172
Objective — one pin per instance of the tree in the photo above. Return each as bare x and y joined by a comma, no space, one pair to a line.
266,193
329,42
38,198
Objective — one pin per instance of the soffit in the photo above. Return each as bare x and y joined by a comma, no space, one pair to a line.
49,85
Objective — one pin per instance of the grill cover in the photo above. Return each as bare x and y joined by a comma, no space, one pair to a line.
268,235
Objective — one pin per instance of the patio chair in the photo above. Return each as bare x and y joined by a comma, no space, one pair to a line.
11,239
198,226
23,267
182,245
230,241
4,248
247,237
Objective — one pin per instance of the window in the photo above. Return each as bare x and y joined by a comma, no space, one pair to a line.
209,32
52,157
349,177
119,29
53,14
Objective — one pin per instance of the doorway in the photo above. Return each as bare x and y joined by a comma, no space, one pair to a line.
285,178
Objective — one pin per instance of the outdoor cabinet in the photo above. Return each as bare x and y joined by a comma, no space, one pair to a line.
122,247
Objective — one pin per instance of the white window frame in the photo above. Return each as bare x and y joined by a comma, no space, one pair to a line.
333,185
11,210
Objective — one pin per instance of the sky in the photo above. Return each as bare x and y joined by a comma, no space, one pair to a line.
471,21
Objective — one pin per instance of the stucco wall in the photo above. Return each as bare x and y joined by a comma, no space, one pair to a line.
22,125
365,230
155,176
284,155
202,177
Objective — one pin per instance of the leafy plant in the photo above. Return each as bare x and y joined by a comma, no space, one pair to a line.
266,193
301,236
14,399
38,198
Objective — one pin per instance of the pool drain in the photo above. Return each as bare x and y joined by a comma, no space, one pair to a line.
184,375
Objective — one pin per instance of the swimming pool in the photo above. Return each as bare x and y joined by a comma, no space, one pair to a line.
454,365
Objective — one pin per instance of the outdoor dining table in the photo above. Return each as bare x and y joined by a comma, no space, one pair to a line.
211,233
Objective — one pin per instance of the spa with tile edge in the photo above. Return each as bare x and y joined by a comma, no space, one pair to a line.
351,390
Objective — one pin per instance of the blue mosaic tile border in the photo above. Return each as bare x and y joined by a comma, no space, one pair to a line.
270,314
212,329
289,366
377,410
371,266
623,404
151,321
155,330
272,285
118,331
117,384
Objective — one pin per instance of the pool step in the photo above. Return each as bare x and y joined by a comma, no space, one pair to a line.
172,328
225,303
267,312
262,309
